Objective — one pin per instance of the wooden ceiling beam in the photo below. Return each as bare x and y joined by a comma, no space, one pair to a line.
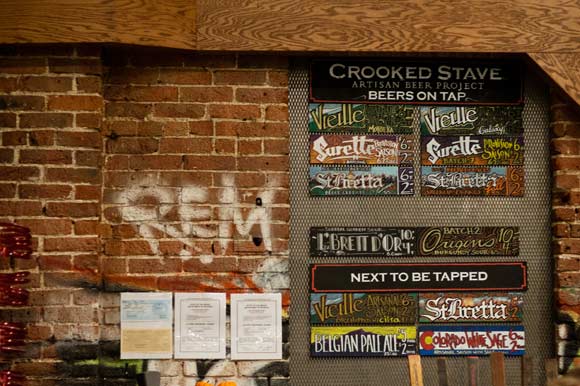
162,23
389,26
563,69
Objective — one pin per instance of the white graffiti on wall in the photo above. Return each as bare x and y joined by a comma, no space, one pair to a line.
183,214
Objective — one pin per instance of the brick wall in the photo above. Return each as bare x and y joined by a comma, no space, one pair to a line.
50,181
566,227
140,170
195,192
143,169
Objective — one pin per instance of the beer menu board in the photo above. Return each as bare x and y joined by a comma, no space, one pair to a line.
363,113
395,127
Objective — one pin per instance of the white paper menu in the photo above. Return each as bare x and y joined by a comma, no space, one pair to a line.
256,326
200,325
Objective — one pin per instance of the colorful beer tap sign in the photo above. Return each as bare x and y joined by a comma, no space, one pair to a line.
362,308
471,340
363,341
471,308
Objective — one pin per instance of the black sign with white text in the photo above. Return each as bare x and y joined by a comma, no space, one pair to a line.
418,277
445,81
367,241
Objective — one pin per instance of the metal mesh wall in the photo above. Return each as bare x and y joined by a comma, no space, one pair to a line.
531,213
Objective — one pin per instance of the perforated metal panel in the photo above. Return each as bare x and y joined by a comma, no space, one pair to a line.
531,213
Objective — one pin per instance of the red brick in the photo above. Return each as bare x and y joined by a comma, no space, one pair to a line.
206,94
22,65
276,146
564,113
224,146
278,78
8,85
567,263
47,226
88,192
44,191
54,120
567,246
128,248
217,264
210,162
88,158
72,209
164,265
117,162
89,120
566,181
130,179
55,262
262,61
14,138
233,111
75,102
35,368
278,163
6,156
172,129
573,129
45,156
7,119
185,145
248,180
201,128
155,162
155,57
89,84
130,145
86,297
41,137
251,129
236,77
38,332
86,227
122,75
75,66
141,93
569,279
70,279
184,76
84,139
21,102
114,265
565,146
262,95
562,230
64,244
250,146
87,263
130,110
277,113
210,60
574,230
181,178
139,282
134,128
75,175
7,190
45,83
566,163
50,297
20,208
71,314
179,110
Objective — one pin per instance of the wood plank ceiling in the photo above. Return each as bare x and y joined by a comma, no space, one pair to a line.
547,30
